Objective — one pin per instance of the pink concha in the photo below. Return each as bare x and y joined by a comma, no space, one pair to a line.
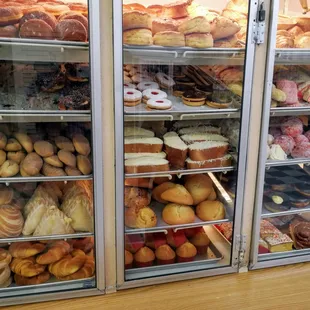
11,220
287,143
301,151
300,139
292,127
307,134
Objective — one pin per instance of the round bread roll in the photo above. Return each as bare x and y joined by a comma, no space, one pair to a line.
136,20
3,140
44,148
64,143
84,164
81,144
24,140
18,157
138,37
212,195
32,164
23,172
176,214
2,157
53,161
51,171
11,220
210,211
67,158
72,171
223,27
199,40
169,38
197,24
8,169
140,217
199,186
13,145
6,195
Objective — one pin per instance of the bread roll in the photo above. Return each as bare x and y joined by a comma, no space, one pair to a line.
178,194
8,169
212,195
24,140
136,197
2,157
44,148
51,171
32,164
13,145
53,161
157,191
84,164
81,144
210,211
64,143
72,171
67,158
11,220
18,157
223,27
177,214
137,217
200,187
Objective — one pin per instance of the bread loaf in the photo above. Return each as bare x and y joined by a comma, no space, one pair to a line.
201,151
11,220
143,145
149,164
224,161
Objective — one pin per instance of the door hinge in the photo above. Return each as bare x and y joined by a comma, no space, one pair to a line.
241,248
259,23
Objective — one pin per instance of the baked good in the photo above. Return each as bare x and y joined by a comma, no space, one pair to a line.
53,161
176,238
26,267
224,161
137,217
201,151
64,143
163,24
51,171
179,89
3,141
159,104
132,97
12,145
199,186
10,15
138,37
128,260
155,240
84,164
155,9
25,249
5,257
303,22
169,38
295,31
222,27
199,40
55,8
200,137
39,279
177,214
12,222
186,252
164,80
153,93
143,145
147,85
194,98
9,31
6,195
24,140
36,29
149,164
284,41
81,144
44,148
78,7
32,164
18,157
84,244
176,9
197,24
71,30
139,182
70,171
136,197
158,190
9,169
177,194
199,129
210,211
144,257
76,16
299,232
136,20
54,252
201,242
137,131
165,255
5,275
67,158
303,40
39,14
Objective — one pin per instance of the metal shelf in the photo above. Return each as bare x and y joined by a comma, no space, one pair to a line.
292,56
183,55
43,50
53,237
281,255
267,214
282,111
287,162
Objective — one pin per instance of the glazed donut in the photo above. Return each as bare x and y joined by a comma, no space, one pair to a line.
78,7
154,94
136,20
36,29
71,30
169,38
76,16
163,24
48,18
164,80
10,15
146,85
55,9
5,273
176,9
155,9
159,104
9,31
5,257
197,24
138,37
132,97
199,40
129,85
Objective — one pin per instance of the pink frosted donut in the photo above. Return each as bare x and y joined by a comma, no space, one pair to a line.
129,85
155,94
146,85
300,139
164,80
287,143
292,127
301,151
159,104
275,131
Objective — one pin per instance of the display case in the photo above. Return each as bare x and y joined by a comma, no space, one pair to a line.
181,123
281,205
51,187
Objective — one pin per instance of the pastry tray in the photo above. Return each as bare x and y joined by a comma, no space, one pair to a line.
280,255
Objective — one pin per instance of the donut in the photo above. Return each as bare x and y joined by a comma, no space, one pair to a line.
199,40
169,38
10,15
129,85
159,104
195,25
194,98
300,139
176,9
138,78
138,37
155,9
154,94
136,20
36,29
48,18
9,31
184,81
179,89
292,127
78,7
163,24
76,16
164,80
287,143
71,30
301,151
146,85
55,9
132,97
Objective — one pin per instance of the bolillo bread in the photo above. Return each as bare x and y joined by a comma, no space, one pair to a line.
178,214
178,194
157,191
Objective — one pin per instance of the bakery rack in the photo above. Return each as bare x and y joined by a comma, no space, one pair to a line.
280,255
286,162
291,211
283,111
292,56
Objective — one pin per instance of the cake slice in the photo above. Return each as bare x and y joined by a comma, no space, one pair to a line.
146,164
224,161
137,132
199,137
199,129
279,243
143,145
267,229
137,155
201,151
175,149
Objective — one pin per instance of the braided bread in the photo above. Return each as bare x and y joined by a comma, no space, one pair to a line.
5,257
26,267
39,279
55,251
86,271
68,265
25,249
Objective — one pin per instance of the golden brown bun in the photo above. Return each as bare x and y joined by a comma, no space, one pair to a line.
2,157
13,145
186,250
136,197
178,194
164,252
18,157
81,144
200,239
3,140
67,158
128,258
25,141
212,195
136,20
72,171
144,254
32,164
138,37
163,24
210,210
84,164
303,40
197,24
295,31
285,23
39,279
53,161
284,41
11,220
158,190
6,195
54,252
44,148
140,217
169,38
25,249
26,267
155,10
199,40
5,256
177,214
176,9
303,22
140,182
200,187
64,143
8,169
51,171
223,27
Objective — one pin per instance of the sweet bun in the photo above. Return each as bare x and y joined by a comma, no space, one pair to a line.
64,143
223,27
70,171
84,165
210,210
137,217
177,194
67,158
197,24
186,252
11,220
3,140
81,144
157,191
51,171
18,156
12,145
2,157
199,186
53,161
163,24
136,20
138,37
177,214
8,169
32,164
44,148
199,40
177,9
169,38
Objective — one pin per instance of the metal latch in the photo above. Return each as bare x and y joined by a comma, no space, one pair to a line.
259,24
241,247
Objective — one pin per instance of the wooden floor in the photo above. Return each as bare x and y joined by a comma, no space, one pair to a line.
277,288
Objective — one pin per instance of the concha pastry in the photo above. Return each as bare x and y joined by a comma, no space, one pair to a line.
54,222
11,221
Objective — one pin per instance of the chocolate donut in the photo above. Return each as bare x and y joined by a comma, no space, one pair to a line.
271,206
71,30
48,18
36,29
178,90
193,98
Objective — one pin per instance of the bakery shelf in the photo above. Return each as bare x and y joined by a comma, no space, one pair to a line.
268,214
292,56
281,255
286,162
53,237
43,50
282,111
183,55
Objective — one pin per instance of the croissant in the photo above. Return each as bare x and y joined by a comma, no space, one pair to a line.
26,267
84,244
7,283
68,264
25,249
5,257
55,251
39,279
5,274
86,271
